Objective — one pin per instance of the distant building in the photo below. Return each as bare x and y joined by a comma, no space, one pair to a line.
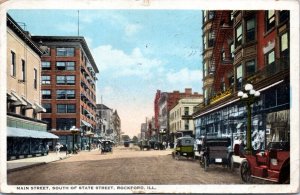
68,87
116,124
181,115
166,101
104,120
26,134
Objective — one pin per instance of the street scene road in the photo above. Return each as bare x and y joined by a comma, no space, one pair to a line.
122,166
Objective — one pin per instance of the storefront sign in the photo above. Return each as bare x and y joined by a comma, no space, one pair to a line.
221,96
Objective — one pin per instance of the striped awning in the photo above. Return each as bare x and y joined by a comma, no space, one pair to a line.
85,123
19,132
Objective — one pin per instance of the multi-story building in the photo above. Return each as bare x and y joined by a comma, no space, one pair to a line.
26,134
104,121
116,124
166,101
68,87
181,116
260,57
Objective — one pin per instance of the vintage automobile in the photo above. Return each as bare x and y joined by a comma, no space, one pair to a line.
184,148
144,144
107,146
126,143
215,151
272,165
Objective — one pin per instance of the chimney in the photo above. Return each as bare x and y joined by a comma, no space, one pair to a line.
188,91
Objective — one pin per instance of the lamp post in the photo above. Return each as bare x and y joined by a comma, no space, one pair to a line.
89,134
248,96
74,131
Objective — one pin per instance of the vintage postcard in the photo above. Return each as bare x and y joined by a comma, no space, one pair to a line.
149,96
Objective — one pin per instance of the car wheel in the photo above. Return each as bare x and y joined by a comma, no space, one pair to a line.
177,155
245,171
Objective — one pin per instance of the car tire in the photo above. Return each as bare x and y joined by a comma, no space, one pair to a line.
245,171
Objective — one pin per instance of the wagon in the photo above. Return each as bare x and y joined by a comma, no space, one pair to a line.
184,148
215,151
272,165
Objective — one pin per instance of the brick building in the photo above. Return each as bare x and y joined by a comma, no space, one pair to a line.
68,87
163,105
260,51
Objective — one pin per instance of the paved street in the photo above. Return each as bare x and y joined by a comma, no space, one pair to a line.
123,166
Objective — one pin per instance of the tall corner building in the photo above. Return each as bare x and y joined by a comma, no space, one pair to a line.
68,87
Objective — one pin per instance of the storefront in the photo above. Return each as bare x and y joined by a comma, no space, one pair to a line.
270,118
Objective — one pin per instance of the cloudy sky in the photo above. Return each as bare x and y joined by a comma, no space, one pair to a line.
136,51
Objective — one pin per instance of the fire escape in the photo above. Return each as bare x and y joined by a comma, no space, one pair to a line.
221,31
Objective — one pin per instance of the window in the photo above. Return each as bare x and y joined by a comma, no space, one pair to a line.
65,123
65,65
270,62
13,64
186,110
232,50
23,110
210,39
204,42
223,57
23,71
284,48
250,30
239,77
283,15
204,16
66,108
65,51
211,15
238,35
186,124
48,121
270,19
47,107
250,67
46,80
65,80
35,78
65,94
46,66
46,94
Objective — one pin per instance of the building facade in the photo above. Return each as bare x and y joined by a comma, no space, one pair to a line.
68,88
181,115
116,124
260,57
104,121
26,134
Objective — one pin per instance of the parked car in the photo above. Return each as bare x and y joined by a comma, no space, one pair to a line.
215,151
273,164
184,148
107,146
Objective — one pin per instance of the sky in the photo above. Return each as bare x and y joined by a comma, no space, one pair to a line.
137,52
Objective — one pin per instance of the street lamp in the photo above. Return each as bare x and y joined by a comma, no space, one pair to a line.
89,134
74,131
248,96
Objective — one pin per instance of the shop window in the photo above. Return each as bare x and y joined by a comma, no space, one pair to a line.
13,64
283,95
250,67
46,66
65,52
283,15
65,123
47,107
46,94
23,110
46,80
269,19
270,99
238,35
250,30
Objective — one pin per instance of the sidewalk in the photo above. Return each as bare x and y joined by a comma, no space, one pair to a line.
14,165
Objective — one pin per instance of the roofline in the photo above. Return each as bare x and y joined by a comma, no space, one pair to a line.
13,25
80,39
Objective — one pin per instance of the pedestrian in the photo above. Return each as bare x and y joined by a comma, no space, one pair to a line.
57,148
66,149
47,149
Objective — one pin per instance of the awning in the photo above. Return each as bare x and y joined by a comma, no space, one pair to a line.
88,113
239,125
29,104
86,123
11,97
39,108
20,101
18,132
